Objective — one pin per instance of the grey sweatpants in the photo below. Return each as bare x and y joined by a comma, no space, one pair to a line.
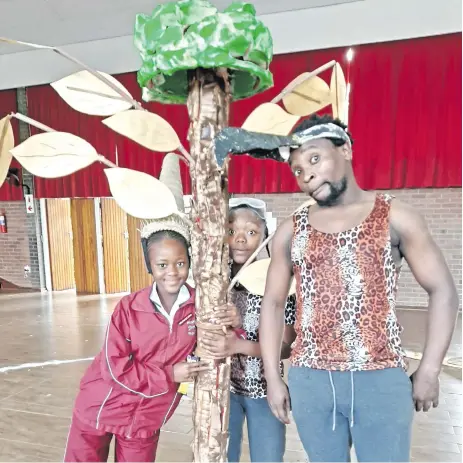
373,410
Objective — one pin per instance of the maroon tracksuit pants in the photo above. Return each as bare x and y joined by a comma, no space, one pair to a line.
86,444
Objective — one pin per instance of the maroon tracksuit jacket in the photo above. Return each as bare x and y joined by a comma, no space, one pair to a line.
129,390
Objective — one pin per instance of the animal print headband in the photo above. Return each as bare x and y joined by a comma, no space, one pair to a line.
316,132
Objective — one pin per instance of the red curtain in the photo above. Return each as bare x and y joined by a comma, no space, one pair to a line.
8,104
405,116
46,106
406,113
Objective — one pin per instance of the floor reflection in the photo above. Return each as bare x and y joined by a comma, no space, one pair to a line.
36,402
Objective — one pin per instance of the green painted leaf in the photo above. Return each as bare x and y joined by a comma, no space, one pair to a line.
195,12
169,37
257,57
170,15
238,7
238,46
188,34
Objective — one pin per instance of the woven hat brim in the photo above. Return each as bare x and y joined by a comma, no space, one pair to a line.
174,222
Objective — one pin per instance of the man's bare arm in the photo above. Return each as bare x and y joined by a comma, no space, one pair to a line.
274,301
428,266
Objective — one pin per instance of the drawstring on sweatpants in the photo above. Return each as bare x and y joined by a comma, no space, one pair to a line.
334,400
352,399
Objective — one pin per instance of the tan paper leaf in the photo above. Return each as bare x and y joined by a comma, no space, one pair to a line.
54,154
309,202
6,144
270,118
145,128
338,91
170,176
139,194
308,97
254,277
89,95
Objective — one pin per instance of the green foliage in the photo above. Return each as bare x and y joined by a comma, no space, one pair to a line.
190,34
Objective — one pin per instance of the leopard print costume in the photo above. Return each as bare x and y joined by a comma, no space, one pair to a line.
247,373
346,291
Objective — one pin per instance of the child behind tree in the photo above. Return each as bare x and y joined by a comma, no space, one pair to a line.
267,435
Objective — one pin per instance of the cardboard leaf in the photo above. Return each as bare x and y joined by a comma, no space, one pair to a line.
270,118
139,194
170,176
6,144
54,154
309,202
145,128
89,95
338,91
308,97
254,277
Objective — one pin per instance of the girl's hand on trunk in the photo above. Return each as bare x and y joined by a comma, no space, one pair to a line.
187,371
220,345
227,315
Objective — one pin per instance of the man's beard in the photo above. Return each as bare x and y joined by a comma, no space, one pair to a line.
336,191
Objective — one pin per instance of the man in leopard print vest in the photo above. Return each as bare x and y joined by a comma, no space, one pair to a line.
348,382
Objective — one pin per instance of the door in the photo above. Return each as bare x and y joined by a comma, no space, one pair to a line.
85,246
60,244
115,247
139,276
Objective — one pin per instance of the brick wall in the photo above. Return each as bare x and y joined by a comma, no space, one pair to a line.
14,245
442,211
441,208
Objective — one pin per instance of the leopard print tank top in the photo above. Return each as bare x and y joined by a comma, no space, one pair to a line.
346,293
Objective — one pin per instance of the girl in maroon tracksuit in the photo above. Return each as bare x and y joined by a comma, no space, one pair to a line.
130,389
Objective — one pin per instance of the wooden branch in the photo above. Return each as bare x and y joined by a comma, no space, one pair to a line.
103,79
93,92
182,158
66,55
302,78
32,122
105,161
186,154
45,128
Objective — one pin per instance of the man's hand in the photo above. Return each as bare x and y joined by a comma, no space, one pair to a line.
186,371
278,399
220,345
425,389
227,315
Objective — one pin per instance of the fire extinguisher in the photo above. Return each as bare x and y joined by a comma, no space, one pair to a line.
3,228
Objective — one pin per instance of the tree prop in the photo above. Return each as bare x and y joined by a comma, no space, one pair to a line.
196,55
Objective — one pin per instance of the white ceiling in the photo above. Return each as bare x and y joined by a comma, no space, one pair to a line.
100,32
64,22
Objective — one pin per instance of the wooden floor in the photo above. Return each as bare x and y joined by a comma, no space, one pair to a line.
36,400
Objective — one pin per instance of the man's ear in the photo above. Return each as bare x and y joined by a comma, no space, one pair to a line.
347,152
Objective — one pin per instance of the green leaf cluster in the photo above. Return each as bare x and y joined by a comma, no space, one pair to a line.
189,34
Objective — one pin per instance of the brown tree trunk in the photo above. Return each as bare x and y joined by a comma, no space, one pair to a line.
208,108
